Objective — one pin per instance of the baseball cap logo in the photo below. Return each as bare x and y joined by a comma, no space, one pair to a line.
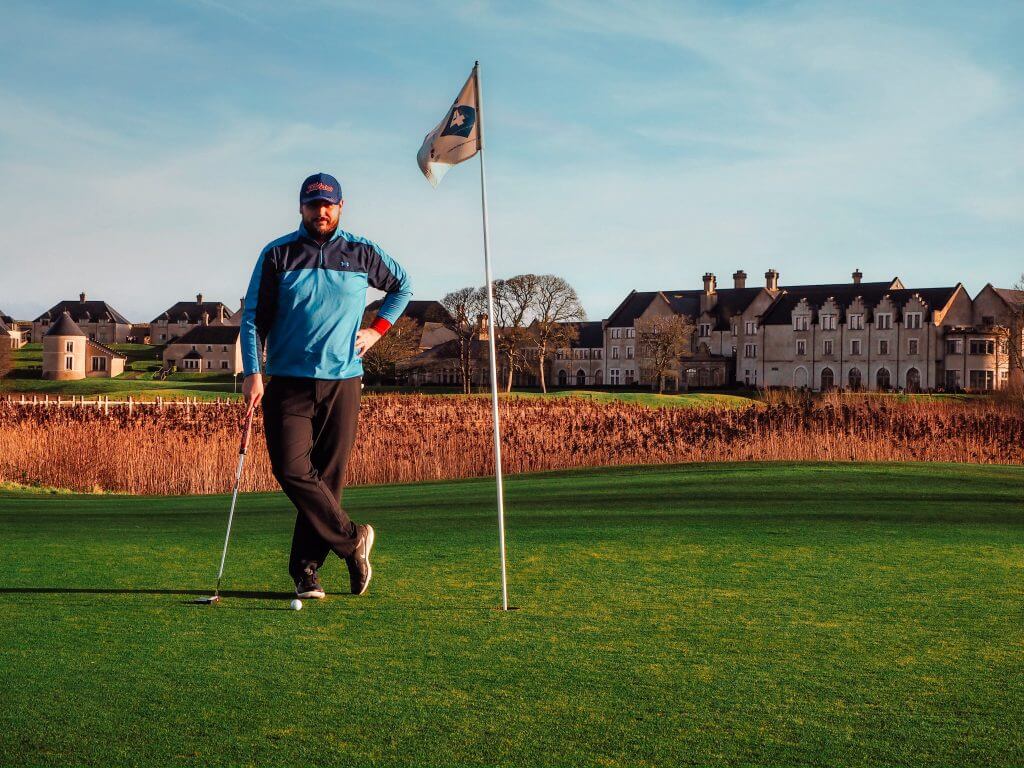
318,186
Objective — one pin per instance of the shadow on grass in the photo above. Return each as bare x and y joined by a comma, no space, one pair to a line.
186,592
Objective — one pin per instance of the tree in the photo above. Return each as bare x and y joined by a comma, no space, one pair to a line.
402,341
556,307
514,299
663,342
465,306
1012,335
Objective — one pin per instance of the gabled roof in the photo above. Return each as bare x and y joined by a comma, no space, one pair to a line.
192,312
731,302
422,311
631,308
781,310
105,348
6,319
64,326
1011,296
84,312
210,334
4,330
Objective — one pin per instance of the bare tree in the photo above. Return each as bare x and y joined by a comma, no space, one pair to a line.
401,342
1012,336
557,307
465,306
663,343
514,299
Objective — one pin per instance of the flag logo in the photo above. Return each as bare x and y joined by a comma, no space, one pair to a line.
460,121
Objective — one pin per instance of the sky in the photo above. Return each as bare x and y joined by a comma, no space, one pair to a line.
148,151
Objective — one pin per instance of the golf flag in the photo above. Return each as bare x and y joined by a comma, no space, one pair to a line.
456,138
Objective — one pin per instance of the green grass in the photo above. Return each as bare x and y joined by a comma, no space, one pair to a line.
653,399
677,615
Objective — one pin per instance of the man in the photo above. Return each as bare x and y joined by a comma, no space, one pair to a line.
305,303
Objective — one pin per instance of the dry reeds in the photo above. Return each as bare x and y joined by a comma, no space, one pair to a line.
406,438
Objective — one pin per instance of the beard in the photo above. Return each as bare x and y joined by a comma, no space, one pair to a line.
321,227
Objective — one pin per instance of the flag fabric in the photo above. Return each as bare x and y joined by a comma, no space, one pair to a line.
456,138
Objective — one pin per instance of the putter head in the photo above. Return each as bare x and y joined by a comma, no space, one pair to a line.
207,600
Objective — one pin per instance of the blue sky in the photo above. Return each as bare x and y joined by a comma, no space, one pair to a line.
149,150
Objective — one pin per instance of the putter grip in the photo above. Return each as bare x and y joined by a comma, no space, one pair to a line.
245,432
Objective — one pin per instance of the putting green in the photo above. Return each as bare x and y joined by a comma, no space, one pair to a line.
770,614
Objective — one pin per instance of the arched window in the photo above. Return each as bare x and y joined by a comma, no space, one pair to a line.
800,377
913,380
581,378
599,378
562,379
828,379
883,379
704,376
854,378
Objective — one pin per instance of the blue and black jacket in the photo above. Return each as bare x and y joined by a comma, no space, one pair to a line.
305,302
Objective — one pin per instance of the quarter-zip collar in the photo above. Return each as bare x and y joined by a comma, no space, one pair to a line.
303,232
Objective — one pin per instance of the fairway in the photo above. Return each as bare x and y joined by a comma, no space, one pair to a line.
770,614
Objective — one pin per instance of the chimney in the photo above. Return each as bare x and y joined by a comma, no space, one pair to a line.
481,324
220,313
771,280
739,279
857,275
81,297
709,283
709,298
241,304
199,298
204,319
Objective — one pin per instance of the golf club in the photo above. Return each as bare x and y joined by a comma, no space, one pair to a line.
243,446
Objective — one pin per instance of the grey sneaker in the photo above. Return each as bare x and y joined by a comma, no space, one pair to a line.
359,569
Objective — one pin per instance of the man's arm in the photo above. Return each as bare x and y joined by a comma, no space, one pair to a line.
257,316
386,274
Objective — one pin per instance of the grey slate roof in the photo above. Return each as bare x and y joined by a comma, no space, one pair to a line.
105,348
422,311
64,326
781,311
192,312
591,335
84,312
210,334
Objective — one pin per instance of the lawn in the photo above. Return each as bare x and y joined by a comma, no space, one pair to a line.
761,614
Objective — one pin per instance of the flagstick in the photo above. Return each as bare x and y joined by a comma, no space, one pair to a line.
490,339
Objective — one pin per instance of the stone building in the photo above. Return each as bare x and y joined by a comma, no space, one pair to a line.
10,334
582,363
69,354
430,317
206,349
96,319
181,318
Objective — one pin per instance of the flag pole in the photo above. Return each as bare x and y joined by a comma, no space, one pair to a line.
490,339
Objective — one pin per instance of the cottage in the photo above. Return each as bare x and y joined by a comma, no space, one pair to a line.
69,354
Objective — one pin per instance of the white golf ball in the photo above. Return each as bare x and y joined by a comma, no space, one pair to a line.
296,605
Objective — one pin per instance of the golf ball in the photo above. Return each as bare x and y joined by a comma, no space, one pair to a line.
296,605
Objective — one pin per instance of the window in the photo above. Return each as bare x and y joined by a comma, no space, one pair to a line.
913,320
629,376
912,346
69,363
209,348
163,336
801,347
988,320
982,347
615,353
954,346
883,346
209,364
856,322
629,353
750,350
69,346
952,379
224,348
750,327
854,346
224,364
705,329
630,332
801,322
598,353
99,363
190,364
613,376
981,379
828,322
828,346
883,321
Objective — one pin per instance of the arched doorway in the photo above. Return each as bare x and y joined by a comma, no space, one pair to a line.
854,378
704,377
882,379
913,380
800,379
828,379
581,378
599,378
563,379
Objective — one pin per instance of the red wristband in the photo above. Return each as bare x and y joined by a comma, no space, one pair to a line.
381,325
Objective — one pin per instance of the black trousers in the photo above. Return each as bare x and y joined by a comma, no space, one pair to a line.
310,426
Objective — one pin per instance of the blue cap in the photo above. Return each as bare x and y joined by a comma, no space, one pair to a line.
320,186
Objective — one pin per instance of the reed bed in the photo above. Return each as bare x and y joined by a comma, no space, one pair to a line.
408,438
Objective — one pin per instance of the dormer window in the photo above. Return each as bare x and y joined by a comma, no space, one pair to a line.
750,327
913,319
828,322
705,329
883,321
801,322
856,322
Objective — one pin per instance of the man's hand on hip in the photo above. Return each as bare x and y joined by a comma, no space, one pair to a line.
252,390
365,339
